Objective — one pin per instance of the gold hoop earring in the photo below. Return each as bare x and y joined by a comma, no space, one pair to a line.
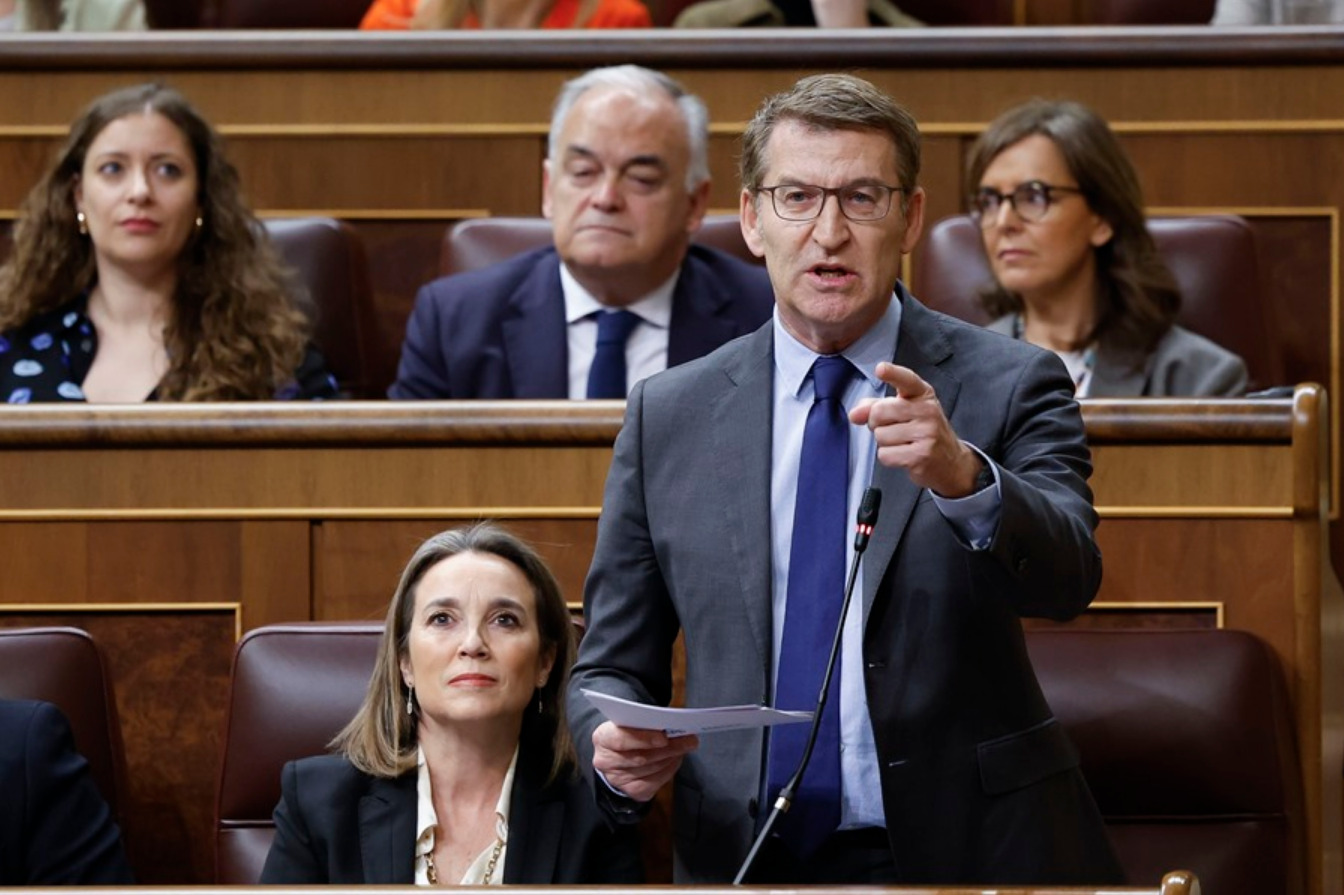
82,222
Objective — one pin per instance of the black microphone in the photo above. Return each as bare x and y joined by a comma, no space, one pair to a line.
863,530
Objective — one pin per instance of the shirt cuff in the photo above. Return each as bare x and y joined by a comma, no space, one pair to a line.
974,517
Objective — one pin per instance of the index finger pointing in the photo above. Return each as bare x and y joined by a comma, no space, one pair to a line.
904,380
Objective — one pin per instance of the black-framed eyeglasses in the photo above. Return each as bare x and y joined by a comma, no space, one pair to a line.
1030,201
858,202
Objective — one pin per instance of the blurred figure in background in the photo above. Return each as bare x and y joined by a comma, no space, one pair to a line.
623,292
55,828
72,15
139,273
1278,12
491,14
1076,270
779,13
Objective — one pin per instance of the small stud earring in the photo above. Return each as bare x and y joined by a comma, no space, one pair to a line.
82,222
200,222
410,701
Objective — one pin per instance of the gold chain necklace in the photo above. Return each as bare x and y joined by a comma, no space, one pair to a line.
432,872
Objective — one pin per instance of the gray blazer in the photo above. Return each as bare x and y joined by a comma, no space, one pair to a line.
1183,365
979,783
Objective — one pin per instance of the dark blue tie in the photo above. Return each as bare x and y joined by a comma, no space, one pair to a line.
815,591
606,377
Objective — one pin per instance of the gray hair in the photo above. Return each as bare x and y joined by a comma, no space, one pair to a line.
643,81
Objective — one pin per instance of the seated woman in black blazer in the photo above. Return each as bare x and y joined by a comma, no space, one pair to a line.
458,768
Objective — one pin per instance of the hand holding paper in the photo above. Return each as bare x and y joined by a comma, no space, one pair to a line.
679,722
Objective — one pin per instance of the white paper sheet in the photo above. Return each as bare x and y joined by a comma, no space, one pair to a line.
679,722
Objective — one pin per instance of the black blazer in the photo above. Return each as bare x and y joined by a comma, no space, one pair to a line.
499,332
55,828
336,824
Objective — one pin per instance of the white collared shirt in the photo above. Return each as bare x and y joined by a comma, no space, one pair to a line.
427,824
645,350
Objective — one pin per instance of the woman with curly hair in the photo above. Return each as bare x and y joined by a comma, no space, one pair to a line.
1076,270
139,273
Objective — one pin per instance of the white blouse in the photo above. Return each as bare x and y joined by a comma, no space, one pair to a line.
427,823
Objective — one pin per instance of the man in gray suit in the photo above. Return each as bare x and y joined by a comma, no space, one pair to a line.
943,763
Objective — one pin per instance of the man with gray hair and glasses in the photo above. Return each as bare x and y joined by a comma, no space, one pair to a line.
623,292
727,517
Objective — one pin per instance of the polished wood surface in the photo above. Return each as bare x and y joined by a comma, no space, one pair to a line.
404,134
1177,882
172,528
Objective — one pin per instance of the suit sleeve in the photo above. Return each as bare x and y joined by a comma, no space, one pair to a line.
1043,558
627,649
72,839
423,369
615,857
293,858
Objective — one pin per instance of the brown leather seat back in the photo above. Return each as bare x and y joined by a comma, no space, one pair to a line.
1212,258
64,666
290,13
1187,743
480,242
328,259
294,687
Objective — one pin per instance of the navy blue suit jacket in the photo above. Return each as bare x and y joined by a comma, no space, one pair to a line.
500,332
55,828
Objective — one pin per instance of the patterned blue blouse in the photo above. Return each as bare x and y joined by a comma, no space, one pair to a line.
47,359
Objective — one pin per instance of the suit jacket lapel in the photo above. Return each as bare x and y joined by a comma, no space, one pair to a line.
536,823
696,328
922,347
535,334
387,830
740,423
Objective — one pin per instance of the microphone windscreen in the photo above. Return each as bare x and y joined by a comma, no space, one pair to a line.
868,507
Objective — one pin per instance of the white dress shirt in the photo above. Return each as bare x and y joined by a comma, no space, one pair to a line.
645,350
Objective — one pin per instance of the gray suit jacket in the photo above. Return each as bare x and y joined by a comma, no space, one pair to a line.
1182,365
979,783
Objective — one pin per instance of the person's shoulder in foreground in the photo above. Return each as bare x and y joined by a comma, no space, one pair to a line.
55,827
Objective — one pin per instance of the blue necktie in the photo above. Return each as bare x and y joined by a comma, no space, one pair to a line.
812,608
606,377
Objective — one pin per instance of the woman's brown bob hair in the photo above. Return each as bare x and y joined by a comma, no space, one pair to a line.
1136,294
381,739
238,331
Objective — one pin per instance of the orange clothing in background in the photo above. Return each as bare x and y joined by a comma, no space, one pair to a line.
394,15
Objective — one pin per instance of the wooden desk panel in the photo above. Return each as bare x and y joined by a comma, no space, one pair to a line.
1212,511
